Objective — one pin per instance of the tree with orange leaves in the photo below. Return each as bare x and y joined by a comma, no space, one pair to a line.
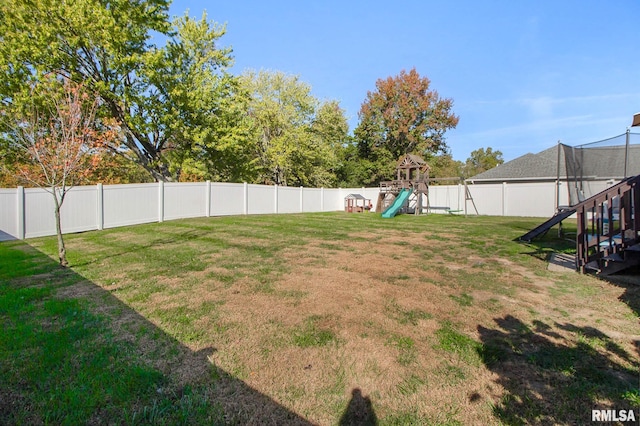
403,116
58,141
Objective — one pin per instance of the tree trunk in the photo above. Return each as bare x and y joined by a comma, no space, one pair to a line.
62,252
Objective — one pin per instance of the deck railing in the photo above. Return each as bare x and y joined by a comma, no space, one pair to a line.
607,223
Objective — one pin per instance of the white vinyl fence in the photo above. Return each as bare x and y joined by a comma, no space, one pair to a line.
28,212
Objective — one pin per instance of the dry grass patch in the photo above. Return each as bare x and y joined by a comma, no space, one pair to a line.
317,313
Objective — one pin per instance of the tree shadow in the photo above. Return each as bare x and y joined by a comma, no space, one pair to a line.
6,237
153,242
628,279
557,373
72,353
359,411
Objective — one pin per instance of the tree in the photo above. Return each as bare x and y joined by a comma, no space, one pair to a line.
444,166
112,168
482,160
293,136
58,143
330,128
168,100
403,116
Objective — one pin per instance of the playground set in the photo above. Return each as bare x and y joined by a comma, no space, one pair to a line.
608,230
409,192
412,178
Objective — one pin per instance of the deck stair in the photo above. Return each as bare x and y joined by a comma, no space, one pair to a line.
608,237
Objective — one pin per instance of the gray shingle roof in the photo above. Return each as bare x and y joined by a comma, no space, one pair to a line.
598,162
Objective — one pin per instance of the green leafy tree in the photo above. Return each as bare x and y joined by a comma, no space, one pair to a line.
402,116
482,160
169,100
330,129
293,136
444,166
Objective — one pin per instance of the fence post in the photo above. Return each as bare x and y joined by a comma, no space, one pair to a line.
301,200
161,201
207,200
322,198
275,198
20,212
245,198
504,198
100,207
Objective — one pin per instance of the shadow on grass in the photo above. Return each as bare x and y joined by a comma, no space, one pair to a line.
549,378
160,241
72,353
359,411
629,279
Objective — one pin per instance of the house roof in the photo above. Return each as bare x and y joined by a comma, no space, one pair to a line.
585,162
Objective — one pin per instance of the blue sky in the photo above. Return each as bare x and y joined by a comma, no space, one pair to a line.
522,74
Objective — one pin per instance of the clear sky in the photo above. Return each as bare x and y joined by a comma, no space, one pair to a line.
523,74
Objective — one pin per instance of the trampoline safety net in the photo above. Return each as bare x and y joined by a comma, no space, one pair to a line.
592,167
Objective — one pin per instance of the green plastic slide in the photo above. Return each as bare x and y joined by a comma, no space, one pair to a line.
395,207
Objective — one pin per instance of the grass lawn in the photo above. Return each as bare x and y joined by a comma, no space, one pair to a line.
324,318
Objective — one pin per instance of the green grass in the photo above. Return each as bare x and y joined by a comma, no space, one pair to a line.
62,364
463,300
406,348
452,341
405,316
312,334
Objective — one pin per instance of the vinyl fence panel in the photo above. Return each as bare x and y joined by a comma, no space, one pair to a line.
288,200
183,200
227,199
443,197
332,200
79,211
261,199
39,217
9,214
530,199
311,199
130,204
487,199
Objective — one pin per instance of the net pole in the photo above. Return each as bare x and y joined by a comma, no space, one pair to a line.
626,153
558,179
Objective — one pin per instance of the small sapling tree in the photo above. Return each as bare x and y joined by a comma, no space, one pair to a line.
58,139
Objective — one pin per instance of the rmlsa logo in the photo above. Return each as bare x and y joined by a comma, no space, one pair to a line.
613,416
